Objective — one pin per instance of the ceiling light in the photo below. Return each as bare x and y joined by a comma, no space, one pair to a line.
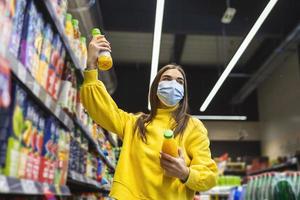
221,117
156,40
228,15
239,53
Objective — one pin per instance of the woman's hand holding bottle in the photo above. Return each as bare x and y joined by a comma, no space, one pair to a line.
96,45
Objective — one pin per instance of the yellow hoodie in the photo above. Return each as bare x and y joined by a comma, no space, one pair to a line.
138,173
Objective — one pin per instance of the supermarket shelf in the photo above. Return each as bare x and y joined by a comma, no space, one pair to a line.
76,180
60,28
10,185
280,167
25,77
94,143
219,190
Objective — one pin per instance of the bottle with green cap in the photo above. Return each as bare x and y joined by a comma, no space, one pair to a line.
169,144
83,49
69,27
76,40
104,60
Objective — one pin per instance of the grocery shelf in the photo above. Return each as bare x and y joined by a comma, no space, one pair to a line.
293,165
78,180
40,93
91,140
10,185
61,30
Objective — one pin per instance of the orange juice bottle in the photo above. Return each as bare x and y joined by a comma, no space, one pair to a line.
104,60
69,27
83,50
76,40
169,145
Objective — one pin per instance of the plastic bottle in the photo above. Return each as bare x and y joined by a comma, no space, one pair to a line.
249,188
76,39
104,60
83,49
69,27
283,190
297,185
169,144
66,89
262,187
269,186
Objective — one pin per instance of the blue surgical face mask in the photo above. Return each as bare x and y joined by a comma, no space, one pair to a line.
170,92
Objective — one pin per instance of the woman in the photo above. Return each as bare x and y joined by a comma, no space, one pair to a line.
143,172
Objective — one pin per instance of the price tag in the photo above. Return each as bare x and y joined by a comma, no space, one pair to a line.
36,89
66,121
48,101
29,187
81,178
21,73
4,188
57,110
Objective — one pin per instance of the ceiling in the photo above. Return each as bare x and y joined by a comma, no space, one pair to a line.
194,37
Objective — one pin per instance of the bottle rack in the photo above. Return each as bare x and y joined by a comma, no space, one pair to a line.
10,185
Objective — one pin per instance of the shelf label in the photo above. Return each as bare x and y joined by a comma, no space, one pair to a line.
57,111
21,73
36,89
29,187
4,188
48,101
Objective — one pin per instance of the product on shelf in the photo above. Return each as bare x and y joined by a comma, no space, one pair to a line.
273,185
54,64
76,39
60,8
46,173
68,92
27,142
229,180
104,60
31,28
19,125
17,18
169,144
69,30
5,102
41,75
62,157
6,21
38,40
83,52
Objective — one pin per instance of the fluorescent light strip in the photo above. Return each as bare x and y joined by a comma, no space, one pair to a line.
156,40
221,117
239,53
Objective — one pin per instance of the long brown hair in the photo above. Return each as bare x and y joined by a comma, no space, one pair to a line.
180,115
